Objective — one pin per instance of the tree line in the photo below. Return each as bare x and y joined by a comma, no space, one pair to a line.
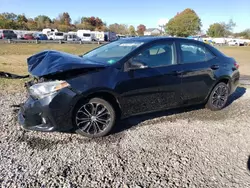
64,23
183,24
188,23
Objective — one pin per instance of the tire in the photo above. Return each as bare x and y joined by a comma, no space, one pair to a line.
88,123
218,97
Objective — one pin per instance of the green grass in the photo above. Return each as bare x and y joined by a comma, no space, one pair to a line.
29,49
13,59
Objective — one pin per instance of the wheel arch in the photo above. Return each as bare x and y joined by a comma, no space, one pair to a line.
224,79
107,95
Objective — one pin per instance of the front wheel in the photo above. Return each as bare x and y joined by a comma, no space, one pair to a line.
218,97
94,118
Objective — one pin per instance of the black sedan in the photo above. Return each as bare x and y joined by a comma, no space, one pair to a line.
127,77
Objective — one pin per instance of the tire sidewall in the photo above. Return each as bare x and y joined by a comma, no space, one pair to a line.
209,104
109,127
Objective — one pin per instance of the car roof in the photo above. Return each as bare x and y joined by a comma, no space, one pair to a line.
143,39
147,39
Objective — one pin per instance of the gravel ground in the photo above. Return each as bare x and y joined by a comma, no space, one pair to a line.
192,147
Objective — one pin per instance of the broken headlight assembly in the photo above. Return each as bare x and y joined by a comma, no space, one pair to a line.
41,90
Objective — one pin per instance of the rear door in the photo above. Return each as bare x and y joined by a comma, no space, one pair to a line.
155,87
198,65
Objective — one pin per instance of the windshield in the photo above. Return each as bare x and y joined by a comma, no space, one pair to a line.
112,52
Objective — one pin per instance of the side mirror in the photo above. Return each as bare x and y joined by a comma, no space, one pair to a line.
133,65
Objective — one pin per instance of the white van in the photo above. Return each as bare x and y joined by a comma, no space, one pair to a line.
55,36
86,35
236,42
48,30
71,37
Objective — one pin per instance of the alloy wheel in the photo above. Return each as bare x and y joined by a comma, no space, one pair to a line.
93,118
219,97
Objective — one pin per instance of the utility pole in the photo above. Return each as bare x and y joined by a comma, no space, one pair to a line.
162,29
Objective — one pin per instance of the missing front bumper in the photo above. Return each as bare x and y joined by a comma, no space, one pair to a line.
52,113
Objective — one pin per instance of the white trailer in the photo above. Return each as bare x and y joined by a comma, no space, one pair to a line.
99,35
219,41
86,35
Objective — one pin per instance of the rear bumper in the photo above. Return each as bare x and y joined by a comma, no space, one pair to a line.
52,113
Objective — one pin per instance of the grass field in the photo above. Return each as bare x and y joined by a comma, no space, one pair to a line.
13,59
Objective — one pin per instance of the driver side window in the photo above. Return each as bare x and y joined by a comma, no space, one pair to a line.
157,55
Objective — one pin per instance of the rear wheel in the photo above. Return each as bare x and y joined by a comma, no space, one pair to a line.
94,118
218,97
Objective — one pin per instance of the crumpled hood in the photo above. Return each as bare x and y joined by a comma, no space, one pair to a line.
51,62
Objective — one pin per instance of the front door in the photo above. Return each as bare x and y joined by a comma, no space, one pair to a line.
154,86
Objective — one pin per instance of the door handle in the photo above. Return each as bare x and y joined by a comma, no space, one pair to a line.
215,67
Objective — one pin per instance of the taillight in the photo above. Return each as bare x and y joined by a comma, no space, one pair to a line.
236,65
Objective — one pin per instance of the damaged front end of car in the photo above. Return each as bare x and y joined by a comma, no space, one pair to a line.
51,98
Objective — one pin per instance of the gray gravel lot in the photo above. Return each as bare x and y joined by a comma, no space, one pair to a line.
191,147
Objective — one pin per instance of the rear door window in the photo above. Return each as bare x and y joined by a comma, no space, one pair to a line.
194,53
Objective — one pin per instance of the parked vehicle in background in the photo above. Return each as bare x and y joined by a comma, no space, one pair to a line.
110,36
7,34
55,36
40,36
236,42
233,43
72,37
28,36
20,36
195,38
219,41
99,35
48,30
86,35
119,36
126,77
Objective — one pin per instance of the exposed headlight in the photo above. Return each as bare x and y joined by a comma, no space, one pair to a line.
44,89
